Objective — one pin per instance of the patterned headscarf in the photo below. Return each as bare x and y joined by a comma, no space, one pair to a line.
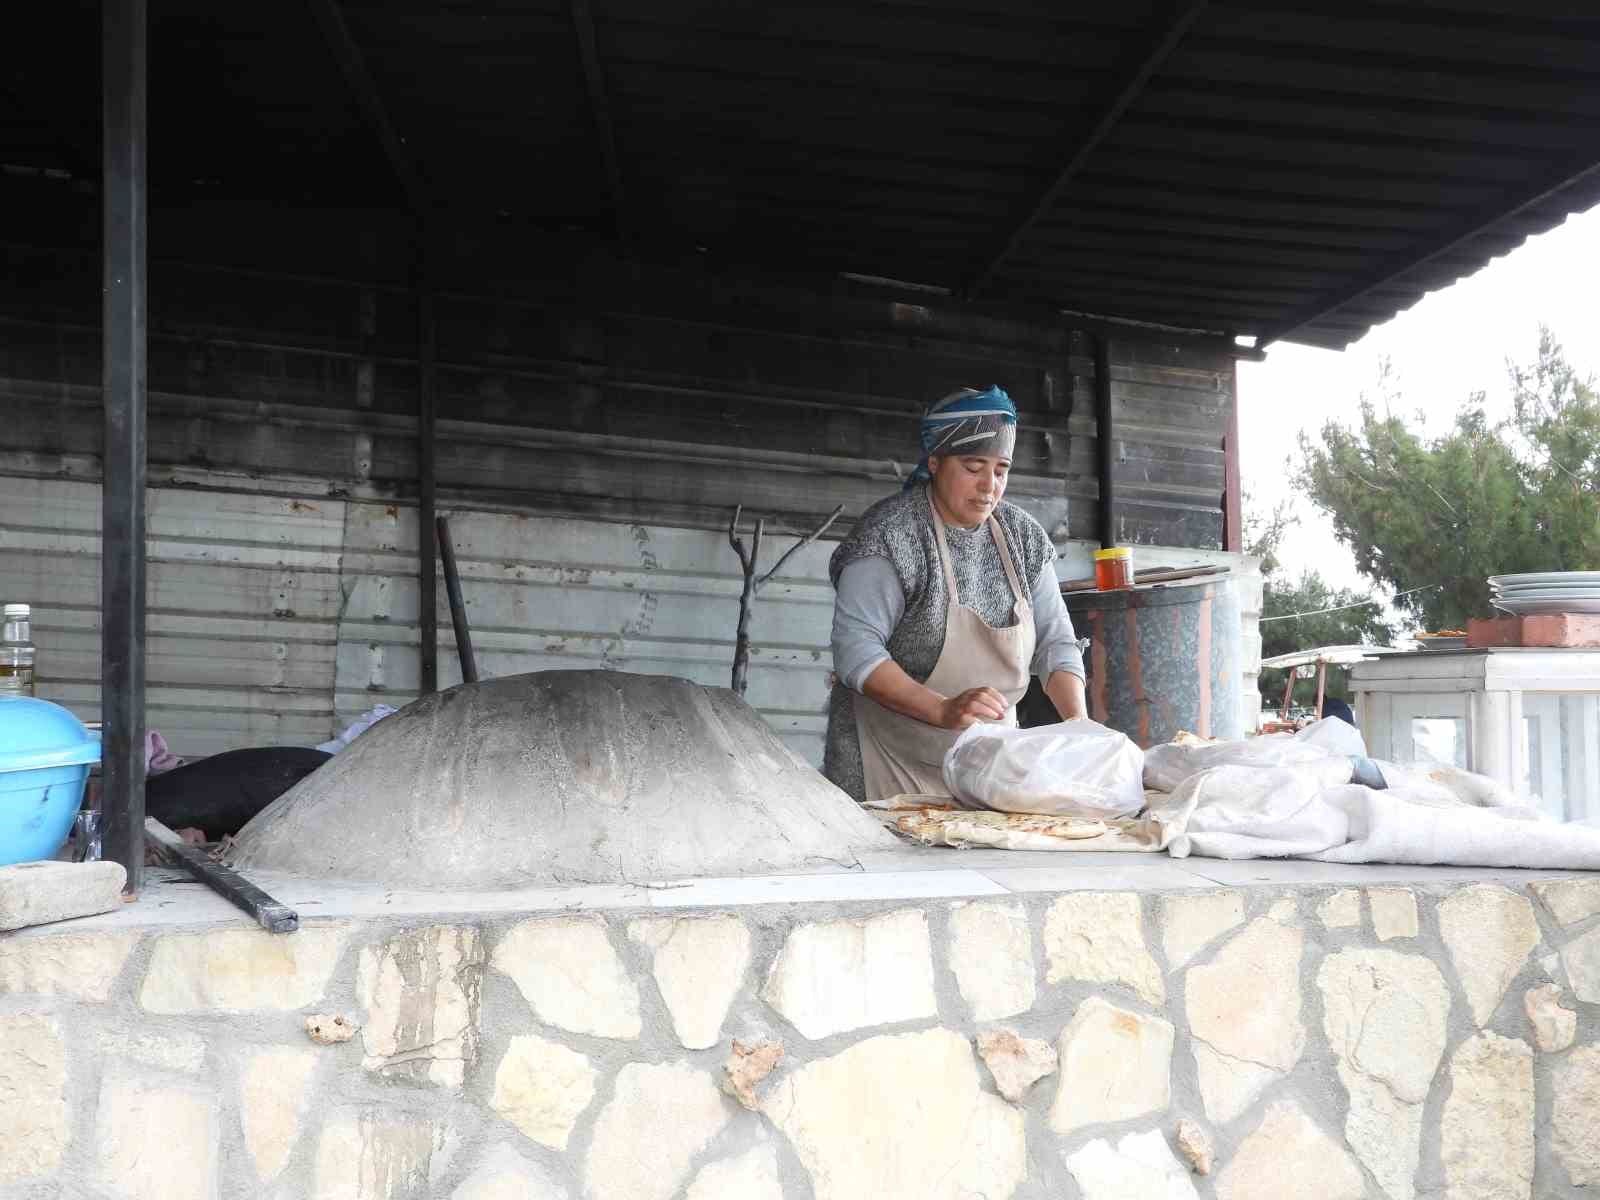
967,422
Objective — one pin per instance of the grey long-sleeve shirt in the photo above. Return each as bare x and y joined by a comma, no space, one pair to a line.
870,602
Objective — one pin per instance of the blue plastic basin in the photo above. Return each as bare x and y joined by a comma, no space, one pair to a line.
45,756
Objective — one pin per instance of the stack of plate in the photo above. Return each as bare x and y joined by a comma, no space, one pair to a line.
1546,592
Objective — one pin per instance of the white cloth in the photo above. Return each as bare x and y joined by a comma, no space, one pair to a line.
1301,812
357,727
1167,766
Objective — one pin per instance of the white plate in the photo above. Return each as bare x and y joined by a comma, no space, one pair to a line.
1547,577
1544,604
1547,589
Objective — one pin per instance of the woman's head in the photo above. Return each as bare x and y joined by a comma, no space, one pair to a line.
967,487
967,440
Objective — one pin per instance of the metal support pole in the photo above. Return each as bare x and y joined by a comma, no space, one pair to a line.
428,580
1232,487
122,381
1104,441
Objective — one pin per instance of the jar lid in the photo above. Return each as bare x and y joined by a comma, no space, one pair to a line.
1112,552
16,610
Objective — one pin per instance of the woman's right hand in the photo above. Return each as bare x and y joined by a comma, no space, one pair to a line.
970,707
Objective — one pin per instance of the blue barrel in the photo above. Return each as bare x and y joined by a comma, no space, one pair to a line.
1164,658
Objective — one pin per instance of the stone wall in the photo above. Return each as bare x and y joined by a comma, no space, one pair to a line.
1244,1044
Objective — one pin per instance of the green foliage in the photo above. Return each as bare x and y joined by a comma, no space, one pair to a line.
1358,622
1264,534
1297,605
1486,498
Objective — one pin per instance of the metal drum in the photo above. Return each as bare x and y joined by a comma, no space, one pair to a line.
1163,658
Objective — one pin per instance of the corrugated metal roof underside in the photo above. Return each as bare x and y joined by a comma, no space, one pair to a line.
1304,168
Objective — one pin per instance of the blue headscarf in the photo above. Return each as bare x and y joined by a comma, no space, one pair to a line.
967,422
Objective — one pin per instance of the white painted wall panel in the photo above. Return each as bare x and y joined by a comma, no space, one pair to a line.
243,600
277,620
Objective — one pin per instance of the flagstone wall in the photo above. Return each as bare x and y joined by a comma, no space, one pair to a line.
1243,1044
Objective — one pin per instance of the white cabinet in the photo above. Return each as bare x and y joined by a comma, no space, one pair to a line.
1527,718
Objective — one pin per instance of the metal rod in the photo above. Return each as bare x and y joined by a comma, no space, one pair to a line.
600,109
1104,441
270,914
1166,33
458,607
428,579
124,24
336,32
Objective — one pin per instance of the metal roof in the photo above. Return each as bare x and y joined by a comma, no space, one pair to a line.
1296,169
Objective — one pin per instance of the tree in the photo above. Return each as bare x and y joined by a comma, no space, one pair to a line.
1433,517
1293,613
1310,612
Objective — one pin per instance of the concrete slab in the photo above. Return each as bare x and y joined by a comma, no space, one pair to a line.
38,893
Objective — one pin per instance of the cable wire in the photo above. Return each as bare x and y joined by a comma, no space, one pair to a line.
1317,612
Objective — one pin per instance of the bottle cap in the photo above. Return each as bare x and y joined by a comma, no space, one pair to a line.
16,610
1112,552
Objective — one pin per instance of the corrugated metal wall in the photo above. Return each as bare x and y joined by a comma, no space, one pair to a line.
591,448
276,620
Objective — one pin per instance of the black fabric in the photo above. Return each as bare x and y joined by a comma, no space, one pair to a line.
1338,708
222,793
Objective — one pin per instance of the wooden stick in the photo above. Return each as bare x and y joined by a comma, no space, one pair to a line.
741,642
800,545
737,542
225,881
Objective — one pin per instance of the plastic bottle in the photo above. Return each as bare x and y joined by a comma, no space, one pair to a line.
16,651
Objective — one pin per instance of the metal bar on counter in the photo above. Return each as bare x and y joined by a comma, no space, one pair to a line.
458,607
270,914
124,329
1153,575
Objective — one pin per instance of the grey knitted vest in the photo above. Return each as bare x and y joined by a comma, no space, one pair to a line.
900,529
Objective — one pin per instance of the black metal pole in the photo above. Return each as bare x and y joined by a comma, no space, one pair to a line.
122,550
428,581
1105,442
458,606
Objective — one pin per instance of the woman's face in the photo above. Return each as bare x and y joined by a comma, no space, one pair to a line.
968,487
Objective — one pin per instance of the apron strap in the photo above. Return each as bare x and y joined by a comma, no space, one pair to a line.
1000,543
944,550
1004,546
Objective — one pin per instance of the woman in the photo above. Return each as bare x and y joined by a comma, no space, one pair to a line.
946,602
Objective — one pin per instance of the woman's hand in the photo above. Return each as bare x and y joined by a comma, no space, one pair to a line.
970,707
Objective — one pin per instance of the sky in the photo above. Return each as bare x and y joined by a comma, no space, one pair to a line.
1451,343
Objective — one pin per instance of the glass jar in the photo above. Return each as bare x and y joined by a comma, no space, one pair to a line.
1113,568
16,651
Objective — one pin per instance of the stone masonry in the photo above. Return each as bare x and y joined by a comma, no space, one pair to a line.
1436,1041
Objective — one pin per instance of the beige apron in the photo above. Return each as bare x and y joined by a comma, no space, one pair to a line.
901,754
